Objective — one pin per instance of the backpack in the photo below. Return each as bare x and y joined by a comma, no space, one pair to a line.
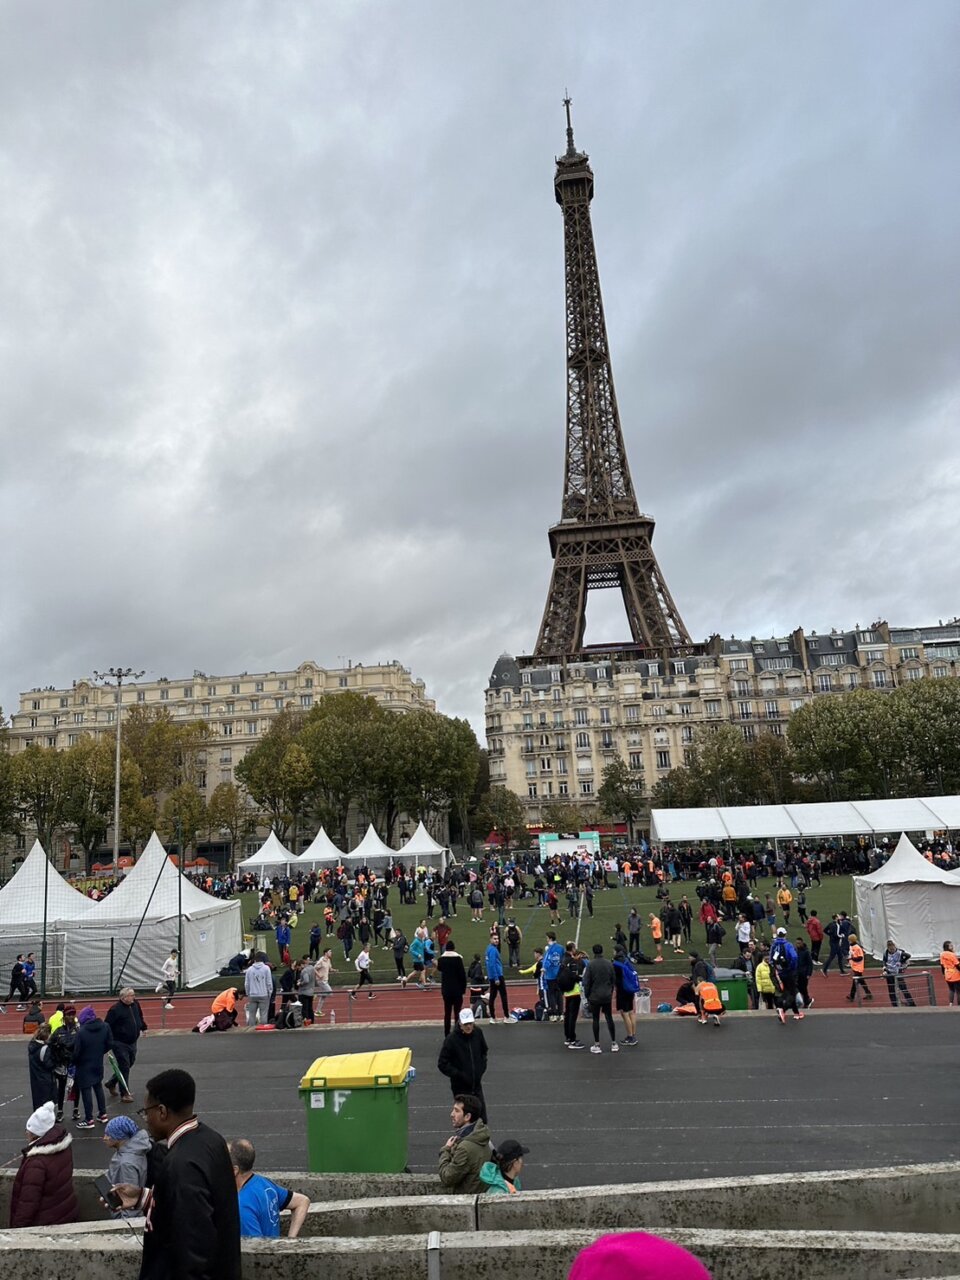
630,978
513,935
569,974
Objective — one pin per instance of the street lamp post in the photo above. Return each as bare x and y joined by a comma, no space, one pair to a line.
119,674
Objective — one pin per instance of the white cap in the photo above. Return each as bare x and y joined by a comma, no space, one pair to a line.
42,1120
781,933
466,1017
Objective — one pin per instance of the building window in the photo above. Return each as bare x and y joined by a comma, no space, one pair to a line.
686,708
581,716
825,682
796,704
604,715
603,673
561,765
532,790
653,668
633,713
562,789
211,690
251,728
545,764
141,695
73,739
528,743
711,707
561,742
832,660
306,699
254,704
542,718
879,679
258,686
636,759
164,695
744,710
524,677
748,731
284,684
838,642
530,768
659,710
939,672
741,688
33,722
776,664
35,705
583,740
545,740
679,668
654,688
606,740
586,788
813,643
307,684
912,673
526,697
909,653
739,664
771,709
556,695
663,759
230,707
188,690
686,734
528,720
78,717
558,718
64,701
227,730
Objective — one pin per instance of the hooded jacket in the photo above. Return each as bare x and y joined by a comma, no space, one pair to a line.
129,1163
494,1183
463,1059
43,1194
494,963
94,1039
598,981
460,1164
453,976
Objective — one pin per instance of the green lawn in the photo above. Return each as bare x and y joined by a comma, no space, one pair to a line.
609,907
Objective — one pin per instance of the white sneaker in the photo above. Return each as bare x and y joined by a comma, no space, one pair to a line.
168,1006
595,1048
614,1048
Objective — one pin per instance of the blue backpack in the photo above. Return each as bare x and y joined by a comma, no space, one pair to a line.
630,978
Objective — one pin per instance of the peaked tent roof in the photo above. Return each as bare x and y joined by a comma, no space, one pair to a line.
321,849
155,886
371,846
906,865
21,899
422,842
271,854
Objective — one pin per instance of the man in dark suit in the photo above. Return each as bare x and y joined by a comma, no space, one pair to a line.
193,1217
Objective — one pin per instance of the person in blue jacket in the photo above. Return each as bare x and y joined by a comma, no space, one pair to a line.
497,981
551,968
283,938
783,969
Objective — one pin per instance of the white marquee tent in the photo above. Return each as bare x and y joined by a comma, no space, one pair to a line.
424,850
272,855
128,935
909,900
22,913
322,852
371,852
794,821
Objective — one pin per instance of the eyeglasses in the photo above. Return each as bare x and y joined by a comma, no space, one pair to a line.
152,1107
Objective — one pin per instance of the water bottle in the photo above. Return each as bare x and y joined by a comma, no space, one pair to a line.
333,1017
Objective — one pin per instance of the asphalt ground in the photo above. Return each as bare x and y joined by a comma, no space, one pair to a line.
836,1091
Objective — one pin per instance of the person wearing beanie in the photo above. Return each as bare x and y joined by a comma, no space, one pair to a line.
130,1147
94,1039
43,1194
63,1041
635,1255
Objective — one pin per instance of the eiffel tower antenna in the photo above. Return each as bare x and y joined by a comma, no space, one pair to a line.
602,540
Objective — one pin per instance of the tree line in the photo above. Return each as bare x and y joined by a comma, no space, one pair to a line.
347,753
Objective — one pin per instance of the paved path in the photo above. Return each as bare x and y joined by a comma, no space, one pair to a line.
840,1090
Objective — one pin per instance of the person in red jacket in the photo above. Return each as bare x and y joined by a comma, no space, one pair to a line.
43,1194
814,929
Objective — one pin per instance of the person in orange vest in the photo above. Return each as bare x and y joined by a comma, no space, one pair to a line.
857,964
711,1006
656,928
950,966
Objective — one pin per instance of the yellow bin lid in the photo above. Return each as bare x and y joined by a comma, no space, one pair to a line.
356,1070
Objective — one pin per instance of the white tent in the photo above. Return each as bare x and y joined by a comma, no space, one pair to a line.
794,821
909,900
126,937
371,852
22,915
424,850
272,855
321,853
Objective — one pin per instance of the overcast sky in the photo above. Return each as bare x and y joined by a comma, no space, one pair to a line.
281,322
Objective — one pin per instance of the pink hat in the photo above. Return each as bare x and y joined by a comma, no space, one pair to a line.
635,1255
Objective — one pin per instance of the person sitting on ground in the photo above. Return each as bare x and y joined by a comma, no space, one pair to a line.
224,1010
43,1194
465,1153
501,1175
262,1201
131,1149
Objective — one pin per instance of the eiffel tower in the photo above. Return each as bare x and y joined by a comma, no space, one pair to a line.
602,539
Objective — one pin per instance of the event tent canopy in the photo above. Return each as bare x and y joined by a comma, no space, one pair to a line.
910,900
129,934
793,821
271,854
322,852
371,850
21,899
422,847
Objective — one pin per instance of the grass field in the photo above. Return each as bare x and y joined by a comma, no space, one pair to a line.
610,906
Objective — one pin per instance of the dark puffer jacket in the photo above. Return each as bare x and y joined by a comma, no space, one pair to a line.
463,1059
43,1194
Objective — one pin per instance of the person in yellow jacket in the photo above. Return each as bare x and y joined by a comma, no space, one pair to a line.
711,1006
784,902
950,965
763,979
857,964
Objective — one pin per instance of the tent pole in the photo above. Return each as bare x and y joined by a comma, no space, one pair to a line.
43,947
140,923
180,955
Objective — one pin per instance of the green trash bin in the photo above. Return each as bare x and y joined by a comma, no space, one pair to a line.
356,1108
734,992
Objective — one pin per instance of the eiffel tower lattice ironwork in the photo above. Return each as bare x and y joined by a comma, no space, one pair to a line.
602,540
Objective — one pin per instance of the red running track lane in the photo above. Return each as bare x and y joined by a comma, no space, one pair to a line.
391,1004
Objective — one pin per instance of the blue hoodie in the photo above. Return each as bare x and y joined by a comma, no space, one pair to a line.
551,961
494,964
783,954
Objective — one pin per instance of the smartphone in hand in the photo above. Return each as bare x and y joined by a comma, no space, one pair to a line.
107,1194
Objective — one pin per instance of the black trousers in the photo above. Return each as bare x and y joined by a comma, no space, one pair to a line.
126,1056
893,982
498,986
595,1011
571,1011
452,1005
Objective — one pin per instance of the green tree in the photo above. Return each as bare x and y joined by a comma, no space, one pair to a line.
9,808
183,816
501,810
678,789
41,784
768,771
229,810
620,795
166,753
89,767
343,739
262,775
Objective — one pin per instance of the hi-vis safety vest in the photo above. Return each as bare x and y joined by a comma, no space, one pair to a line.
856,958
710,1001
950,963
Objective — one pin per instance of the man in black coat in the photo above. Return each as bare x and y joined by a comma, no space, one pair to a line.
453,984
463,1059
193,1215
127,1023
